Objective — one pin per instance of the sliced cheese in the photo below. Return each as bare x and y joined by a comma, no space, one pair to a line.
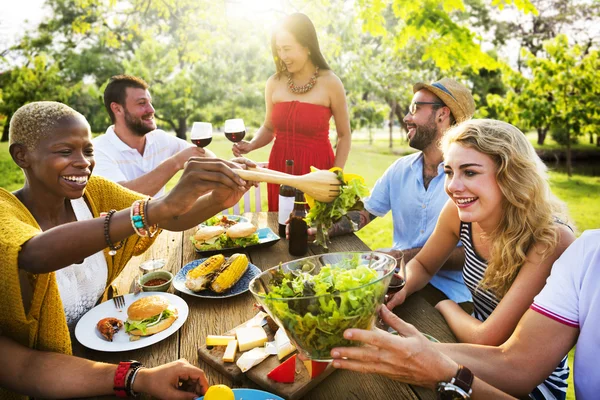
249,338
230,351
215,340
283,344
251,358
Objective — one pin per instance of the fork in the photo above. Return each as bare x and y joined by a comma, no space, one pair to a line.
118,298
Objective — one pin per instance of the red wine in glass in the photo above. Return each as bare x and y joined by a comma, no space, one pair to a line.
234,129
202,142
235,136
201,134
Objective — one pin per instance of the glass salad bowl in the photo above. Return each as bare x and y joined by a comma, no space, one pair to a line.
315,299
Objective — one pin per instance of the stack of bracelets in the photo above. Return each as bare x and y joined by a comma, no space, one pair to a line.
138,215
124,378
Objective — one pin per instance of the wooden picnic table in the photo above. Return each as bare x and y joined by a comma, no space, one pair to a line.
208,316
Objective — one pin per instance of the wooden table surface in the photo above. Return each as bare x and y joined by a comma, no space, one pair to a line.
209,316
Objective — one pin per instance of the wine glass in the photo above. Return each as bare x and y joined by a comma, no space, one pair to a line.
397,283
201,134
235,129
399,277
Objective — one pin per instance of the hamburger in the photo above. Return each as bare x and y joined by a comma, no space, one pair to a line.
210,238
242,234
150,315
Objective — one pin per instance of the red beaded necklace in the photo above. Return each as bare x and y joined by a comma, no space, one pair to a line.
305,88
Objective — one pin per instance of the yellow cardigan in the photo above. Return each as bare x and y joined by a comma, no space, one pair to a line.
44,327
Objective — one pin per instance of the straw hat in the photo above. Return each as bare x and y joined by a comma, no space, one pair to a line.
454,94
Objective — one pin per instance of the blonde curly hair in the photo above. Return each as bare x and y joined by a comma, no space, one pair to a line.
530,208
34,121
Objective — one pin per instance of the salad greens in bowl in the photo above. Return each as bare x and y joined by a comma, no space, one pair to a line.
315,299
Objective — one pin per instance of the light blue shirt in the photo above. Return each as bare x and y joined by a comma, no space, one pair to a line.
415,211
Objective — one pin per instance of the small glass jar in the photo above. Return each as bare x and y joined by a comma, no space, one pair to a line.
152,265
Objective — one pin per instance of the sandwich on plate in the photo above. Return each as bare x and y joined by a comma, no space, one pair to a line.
210,238
150,315
242,234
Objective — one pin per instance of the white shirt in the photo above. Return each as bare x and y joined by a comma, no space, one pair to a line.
81,285
572,297
118,162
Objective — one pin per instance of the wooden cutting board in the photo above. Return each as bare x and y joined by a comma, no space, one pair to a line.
213,355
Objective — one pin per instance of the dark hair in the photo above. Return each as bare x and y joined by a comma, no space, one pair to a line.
115,91
302,28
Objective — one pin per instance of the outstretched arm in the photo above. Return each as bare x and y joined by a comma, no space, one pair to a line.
182,208
153,181
526,359
407,357
53,375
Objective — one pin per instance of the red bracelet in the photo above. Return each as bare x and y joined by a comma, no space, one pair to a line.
119,381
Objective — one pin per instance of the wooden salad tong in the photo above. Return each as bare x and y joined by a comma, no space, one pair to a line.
321,185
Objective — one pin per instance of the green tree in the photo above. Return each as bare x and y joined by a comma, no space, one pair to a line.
37,80
566,81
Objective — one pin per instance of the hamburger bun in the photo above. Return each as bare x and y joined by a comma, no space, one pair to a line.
148,307
241,230
161,326
208,232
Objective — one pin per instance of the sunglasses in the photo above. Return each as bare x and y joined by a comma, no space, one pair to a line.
413,106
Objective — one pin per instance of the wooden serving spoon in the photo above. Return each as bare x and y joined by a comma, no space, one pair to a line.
321,185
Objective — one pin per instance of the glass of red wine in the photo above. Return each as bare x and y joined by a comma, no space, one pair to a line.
399,277
235,129
201,134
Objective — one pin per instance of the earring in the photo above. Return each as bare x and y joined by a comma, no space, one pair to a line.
439,120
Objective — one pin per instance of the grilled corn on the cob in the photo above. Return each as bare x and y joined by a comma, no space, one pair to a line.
230,273
200,277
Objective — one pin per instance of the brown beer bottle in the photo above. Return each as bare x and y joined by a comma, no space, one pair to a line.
298,227
286,199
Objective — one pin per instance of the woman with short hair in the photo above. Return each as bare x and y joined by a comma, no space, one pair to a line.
66,234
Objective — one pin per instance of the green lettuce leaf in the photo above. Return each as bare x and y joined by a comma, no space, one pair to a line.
143,325
323,215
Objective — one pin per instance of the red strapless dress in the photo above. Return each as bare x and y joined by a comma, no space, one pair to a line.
302,135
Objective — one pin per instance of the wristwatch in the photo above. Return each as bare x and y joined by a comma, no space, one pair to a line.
459,387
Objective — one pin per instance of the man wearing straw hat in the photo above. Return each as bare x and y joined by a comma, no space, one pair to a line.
413,187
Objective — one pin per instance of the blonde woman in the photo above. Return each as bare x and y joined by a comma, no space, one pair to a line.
502,210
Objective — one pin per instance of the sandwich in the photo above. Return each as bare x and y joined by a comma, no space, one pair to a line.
210,238
150,315
242,234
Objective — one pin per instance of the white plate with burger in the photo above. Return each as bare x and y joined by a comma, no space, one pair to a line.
217,238
149,317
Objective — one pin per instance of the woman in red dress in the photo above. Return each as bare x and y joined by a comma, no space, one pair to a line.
300,99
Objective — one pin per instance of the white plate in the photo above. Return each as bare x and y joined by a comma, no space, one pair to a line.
87,334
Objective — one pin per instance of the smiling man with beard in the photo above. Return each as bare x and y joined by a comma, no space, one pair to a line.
413,187
133,152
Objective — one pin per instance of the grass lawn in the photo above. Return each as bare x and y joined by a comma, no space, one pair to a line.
581,193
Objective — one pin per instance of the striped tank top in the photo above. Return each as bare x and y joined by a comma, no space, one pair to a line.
485,301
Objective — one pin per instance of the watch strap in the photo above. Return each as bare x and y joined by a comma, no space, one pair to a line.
464,379
119,381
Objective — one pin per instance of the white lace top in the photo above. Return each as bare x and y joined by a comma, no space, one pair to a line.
81,285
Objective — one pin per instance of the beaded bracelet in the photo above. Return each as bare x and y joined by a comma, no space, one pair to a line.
137,219
152,229
112,248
